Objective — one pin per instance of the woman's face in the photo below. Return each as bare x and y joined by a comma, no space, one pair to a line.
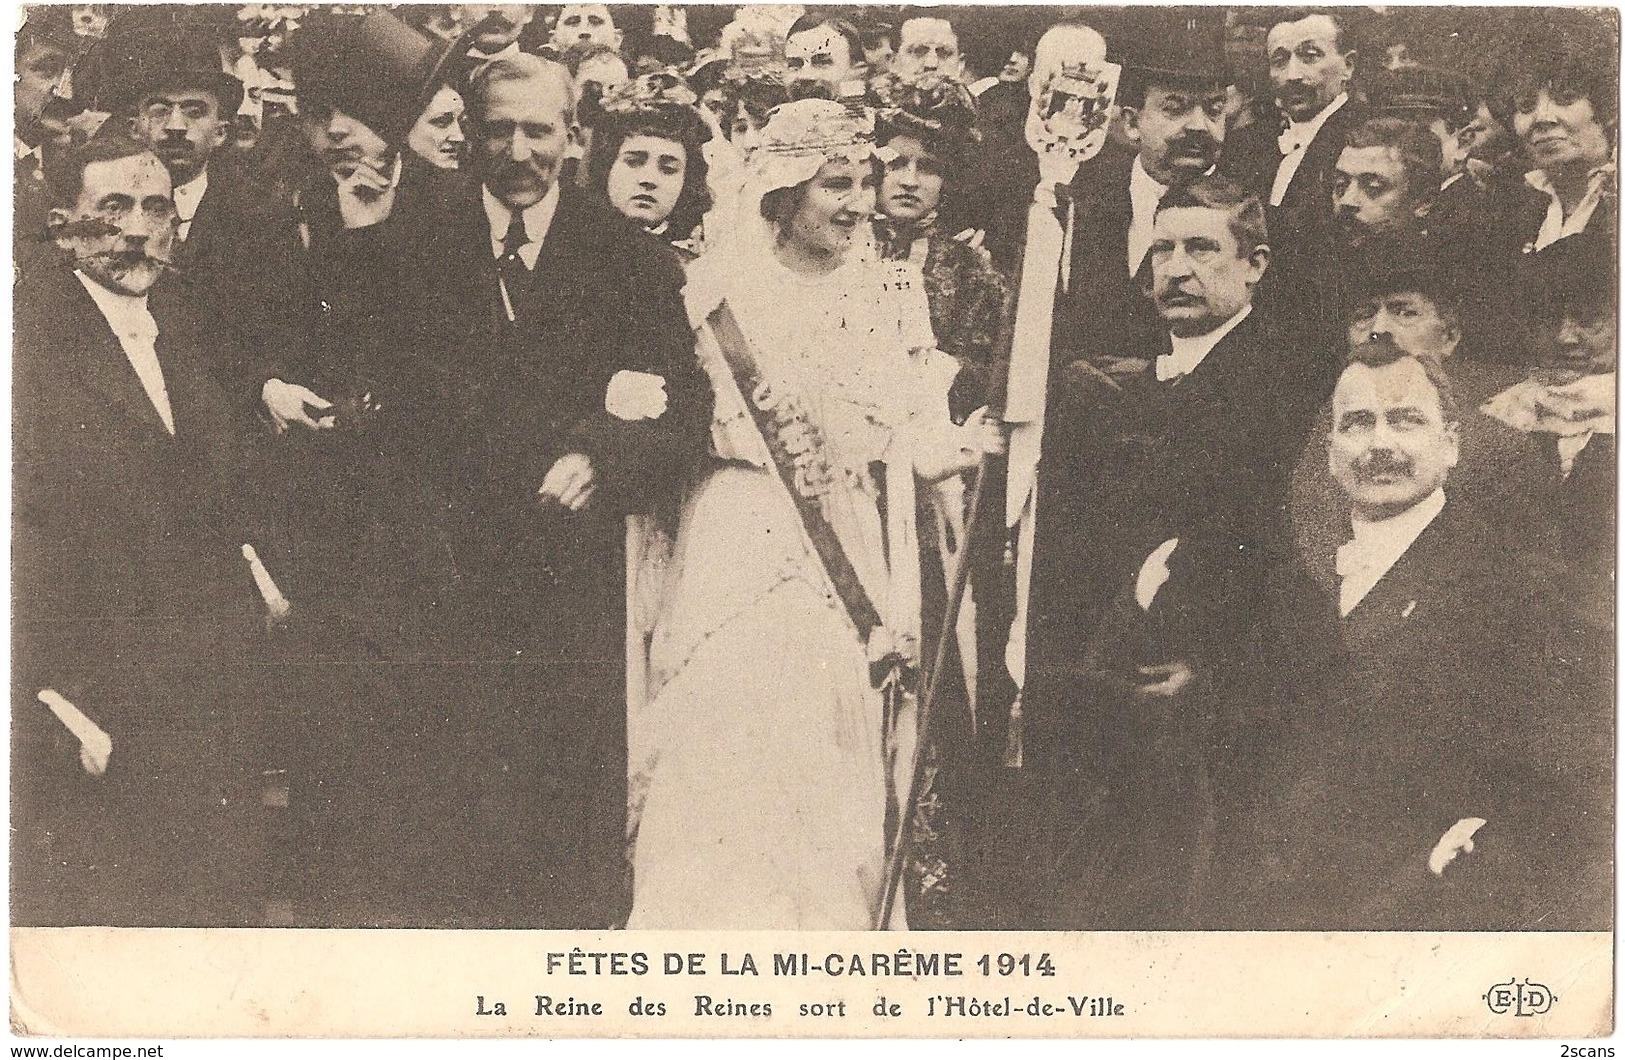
912,185
437,137
1559,128
838,199
743,130
646,178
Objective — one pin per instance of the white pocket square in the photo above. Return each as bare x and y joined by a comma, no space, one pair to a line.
636,396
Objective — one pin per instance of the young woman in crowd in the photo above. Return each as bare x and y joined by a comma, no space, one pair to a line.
437,136
647,158
779,735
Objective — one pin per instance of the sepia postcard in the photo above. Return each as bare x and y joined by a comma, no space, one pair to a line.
792,521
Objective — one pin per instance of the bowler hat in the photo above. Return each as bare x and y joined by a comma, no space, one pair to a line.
138,59
1411,265
374,67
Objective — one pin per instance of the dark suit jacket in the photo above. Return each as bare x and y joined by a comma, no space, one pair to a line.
1103,312
1301,288
1253,154
132,599
242,257
505,402
1360,741
518,767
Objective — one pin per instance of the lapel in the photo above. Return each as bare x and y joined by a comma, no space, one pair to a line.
557,270
104,367
1216,376
1411,593
1103,209
200,238
539,299
1309,182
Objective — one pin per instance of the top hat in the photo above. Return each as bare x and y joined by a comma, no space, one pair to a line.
373,66
137,58
1182,46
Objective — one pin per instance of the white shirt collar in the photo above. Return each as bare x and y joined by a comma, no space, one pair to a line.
1377,545
1555,226
1144,192
137,332
538,219
187,198
1294,141
978,87
1304,132
1191,350
125,313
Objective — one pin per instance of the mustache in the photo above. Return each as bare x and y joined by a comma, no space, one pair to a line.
1383,464
129,259
806,88
1195,143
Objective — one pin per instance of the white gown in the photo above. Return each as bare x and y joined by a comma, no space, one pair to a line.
760,764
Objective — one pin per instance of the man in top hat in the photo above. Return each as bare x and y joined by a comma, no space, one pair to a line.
1173,112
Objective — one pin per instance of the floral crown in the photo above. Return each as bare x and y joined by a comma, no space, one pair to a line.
933,106
659,91
816,127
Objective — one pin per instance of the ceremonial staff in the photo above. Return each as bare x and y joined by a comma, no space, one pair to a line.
1066,127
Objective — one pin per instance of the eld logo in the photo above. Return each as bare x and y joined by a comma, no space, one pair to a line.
1519,999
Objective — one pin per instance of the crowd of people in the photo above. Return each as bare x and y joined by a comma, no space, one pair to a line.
829,468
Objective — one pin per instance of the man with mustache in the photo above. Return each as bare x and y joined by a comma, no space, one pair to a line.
1176,464
1173,113
1311,62
1395,763
237,252
567,395
1384,184
495,28
1289,165
134,602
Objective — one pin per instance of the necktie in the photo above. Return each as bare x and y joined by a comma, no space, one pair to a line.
510,266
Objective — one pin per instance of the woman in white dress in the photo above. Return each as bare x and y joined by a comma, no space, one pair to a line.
775,738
